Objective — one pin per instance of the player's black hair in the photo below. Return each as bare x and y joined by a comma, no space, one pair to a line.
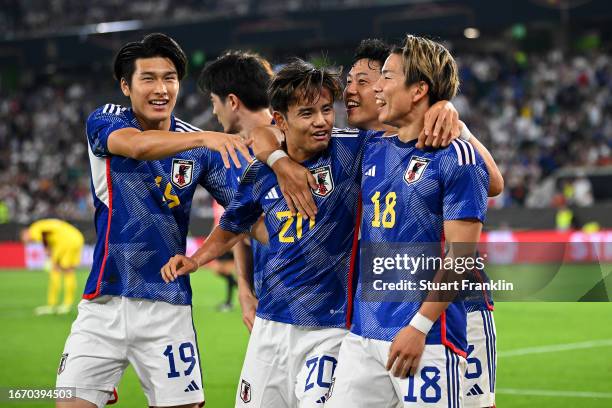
152,45
300,79
244,74
372,49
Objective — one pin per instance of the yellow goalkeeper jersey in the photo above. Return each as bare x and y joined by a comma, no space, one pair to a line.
58,233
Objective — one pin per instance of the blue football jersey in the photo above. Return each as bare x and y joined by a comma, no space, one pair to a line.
142,209
305,278
407,195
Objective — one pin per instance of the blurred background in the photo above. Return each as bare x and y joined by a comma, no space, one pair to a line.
536,88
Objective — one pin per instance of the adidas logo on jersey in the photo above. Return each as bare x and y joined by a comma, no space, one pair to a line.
272,194
371,172
475,390
192,386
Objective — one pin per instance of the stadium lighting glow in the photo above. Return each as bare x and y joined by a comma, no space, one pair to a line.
471,32
115,26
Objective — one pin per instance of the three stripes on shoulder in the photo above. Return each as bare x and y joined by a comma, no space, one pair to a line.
465,152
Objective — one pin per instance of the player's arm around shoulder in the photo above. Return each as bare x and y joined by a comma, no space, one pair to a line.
110,132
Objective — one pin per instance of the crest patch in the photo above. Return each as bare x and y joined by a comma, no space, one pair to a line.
324,180
182,172
415,169
245,391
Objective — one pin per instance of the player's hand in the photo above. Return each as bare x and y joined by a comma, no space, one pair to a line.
295,183
405,352
178,265
227,145
441,126
248,304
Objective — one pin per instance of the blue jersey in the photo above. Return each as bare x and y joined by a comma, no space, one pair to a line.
142,209
305,278
407,195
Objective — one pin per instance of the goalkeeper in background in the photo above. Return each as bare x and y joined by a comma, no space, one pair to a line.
64,244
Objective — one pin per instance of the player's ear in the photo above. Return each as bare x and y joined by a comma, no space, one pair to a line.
233,101
421,89
125,87
280,121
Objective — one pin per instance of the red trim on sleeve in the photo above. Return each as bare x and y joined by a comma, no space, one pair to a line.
351,274
109,185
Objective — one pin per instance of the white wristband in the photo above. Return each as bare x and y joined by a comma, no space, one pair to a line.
465,135
275,156
421,323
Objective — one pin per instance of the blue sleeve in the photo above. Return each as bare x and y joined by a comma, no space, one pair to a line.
101,123
218,180
465,182
244,210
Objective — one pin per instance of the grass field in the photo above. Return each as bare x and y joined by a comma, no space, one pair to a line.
550,354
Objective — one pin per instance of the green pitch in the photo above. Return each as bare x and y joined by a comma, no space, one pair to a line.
576,373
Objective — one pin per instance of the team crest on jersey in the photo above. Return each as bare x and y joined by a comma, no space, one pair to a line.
245,391
62,364
325,181
182,172
415,169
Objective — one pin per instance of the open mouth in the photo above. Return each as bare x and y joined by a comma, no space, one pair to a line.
159,103
351,104
321,135
380,102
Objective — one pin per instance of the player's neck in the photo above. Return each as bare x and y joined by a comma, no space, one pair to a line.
298,154
153,125
252,119
413,124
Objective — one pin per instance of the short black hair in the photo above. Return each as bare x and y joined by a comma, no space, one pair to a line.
372,49
152,45
300,79
244,74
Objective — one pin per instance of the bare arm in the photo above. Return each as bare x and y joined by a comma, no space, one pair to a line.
407,347
243,257
218,243
294,180
496,180
159,144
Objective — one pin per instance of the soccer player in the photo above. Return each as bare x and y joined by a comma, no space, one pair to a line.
145,164
302,304
64,244
411,353
359,98
237,83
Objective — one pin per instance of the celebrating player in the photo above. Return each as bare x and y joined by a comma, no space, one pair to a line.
359,98
64,244
408,353
302,304
237,83
146,164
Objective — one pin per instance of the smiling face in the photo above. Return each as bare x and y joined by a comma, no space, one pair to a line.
393,97
359,96
308,125
153,91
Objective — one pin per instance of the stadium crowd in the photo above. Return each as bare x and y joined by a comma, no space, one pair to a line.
536,115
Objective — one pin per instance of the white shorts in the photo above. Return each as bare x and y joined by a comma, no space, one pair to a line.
479,383
157,338
362,380
288,366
